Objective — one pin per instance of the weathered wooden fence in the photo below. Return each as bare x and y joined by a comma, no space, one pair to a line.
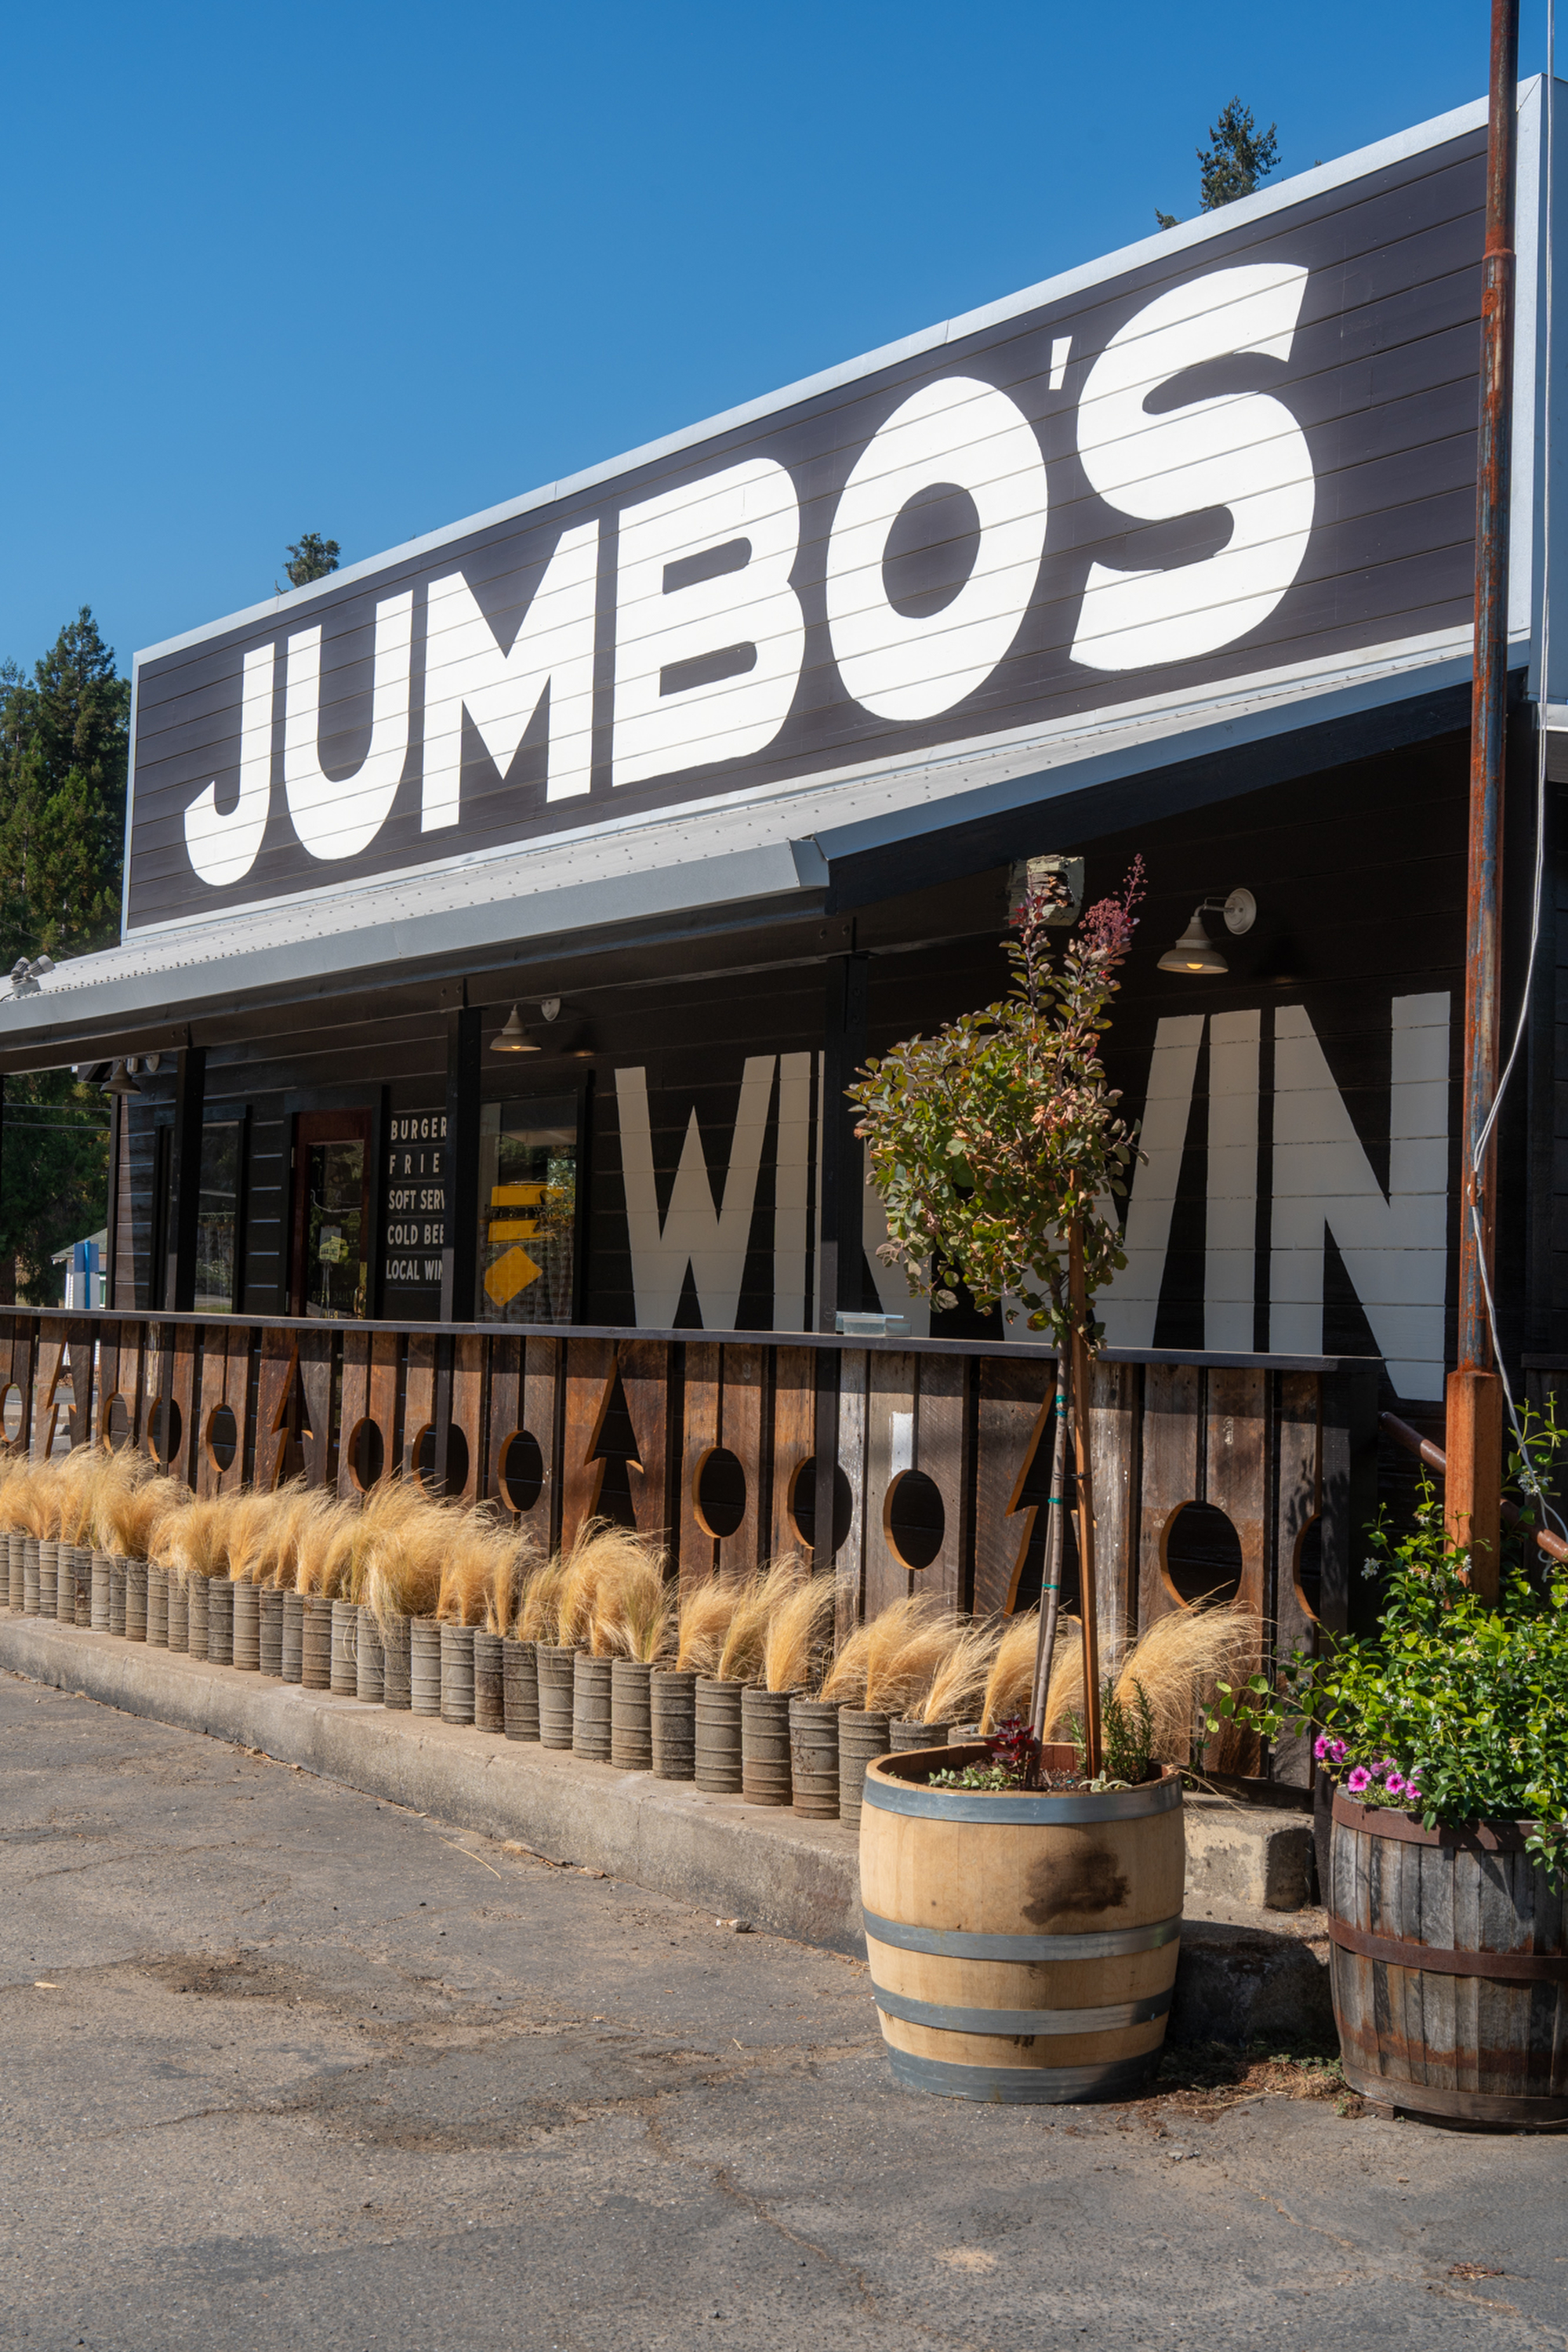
896,1465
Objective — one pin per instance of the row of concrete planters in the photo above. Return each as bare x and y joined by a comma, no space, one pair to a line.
1022,1945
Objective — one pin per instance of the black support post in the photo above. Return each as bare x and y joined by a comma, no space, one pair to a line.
190,1091
459,1255
843,1210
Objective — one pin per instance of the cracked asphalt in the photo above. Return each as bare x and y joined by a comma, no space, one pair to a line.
287,2067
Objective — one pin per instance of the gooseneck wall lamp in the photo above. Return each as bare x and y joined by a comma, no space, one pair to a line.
1194,951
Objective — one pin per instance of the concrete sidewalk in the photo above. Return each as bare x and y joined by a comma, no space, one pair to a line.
1246,1969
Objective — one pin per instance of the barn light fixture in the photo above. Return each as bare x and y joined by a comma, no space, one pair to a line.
514,1038
120,1081
25,976
1194,951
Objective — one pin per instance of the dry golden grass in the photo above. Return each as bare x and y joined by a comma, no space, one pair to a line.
796,1623
910,1642
1178,1662
89,1469
958,1686
400,1549
635,1618
1012,1676
843,1684
704,1619
133,1520
479,1562
539,1611
746,1635
325,1541
516,1559
602,1557
194,1539
39,1501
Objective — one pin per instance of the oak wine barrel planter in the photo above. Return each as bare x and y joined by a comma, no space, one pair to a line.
345,1652
456,1674
29,1576
764,1746
157,1607
1448,1958
520,1690
370,1665
591,1709
269,1630
179,1605
1022,1945
117,1596
15,1571
814,1758
557,1675
195,1611
631,1715
136,1601
220,1621
48,1576
902,1735
425,1666
397,1664
862,1736
719,1737
489,1691
293,1651
246,1627
672,1722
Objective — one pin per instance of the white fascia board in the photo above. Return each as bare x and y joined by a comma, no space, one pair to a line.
1163,244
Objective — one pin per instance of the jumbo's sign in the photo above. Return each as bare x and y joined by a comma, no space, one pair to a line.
1231,457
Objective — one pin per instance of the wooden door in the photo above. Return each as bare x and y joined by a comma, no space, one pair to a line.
329,1263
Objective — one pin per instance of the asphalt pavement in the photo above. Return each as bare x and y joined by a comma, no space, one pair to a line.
284,2066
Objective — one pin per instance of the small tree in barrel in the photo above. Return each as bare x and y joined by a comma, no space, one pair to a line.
999,1153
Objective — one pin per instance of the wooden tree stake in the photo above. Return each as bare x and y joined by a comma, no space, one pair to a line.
1079,1391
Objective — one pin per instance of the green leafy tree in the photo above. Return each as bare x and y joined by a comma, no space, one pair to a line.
1237,159
64,745
312,559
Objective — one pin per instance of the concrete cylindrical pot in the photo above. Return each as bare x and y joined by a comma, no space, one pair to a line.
136,1601
16,1554
814,1758
631,1716
719,1737
557,1681
672,1704
293,1651
591,1709
179,1605
84,1560
862,1737
195,1612
425,1666
346,1650
764,1746
396,1688
316,1641
29,1576
519,1689
157,1607
247,1628
370,1672
65,1585
903,1735
117,1596
456,1674
490,1695
220,1621
48,1573
269,1630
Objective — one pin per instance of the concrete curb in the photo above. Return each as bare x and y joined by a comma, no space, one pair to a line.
1239,1976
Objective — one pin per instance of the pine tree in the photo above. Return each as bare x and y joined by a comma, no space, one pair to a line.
312,559
1239,155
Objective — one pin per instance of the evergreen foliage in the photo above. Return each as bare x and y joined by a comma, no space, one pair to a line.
1237,159
312,559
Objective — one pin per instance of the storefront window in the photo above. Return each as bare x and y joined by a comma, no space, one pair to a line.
528,1210
334,1230
217,1217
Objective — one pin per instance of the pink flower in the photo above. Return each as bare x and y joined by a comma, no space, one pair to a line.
1337,1752
1321,1747
1359,1780
1397,1784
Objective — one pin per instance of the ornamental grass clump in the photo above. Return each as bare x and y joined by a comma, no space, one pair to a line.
702,1622
797,1623
1455,1707
1178,1665
403,1540
539,1609
959,1683
479,1564
135,1519
636,1609
193,1539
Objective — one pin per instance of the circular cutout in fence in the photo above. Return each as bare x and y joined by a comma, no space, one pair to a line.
366,1452
163,1428
719,1491
457,1460
10,1414
914,1519
522,1470
116,1423
1201,1555
223,1437
1309,1567
802,1504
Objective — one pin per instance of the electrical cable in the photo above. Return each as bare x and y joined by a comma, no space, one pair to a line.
1529,1481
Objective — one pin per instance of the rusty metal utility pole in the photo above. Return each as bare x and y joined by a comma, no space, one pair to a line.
1474,1449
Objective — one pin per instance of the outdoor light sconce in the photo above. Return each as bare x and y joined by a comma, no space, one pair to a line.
1194,951
570,1040
121,1081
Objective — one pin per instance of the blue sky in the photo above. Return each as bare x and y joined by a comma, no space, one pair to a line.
367,270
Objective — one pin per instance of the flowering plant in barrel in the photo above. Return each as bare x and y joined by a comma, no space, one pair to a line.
999,1151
